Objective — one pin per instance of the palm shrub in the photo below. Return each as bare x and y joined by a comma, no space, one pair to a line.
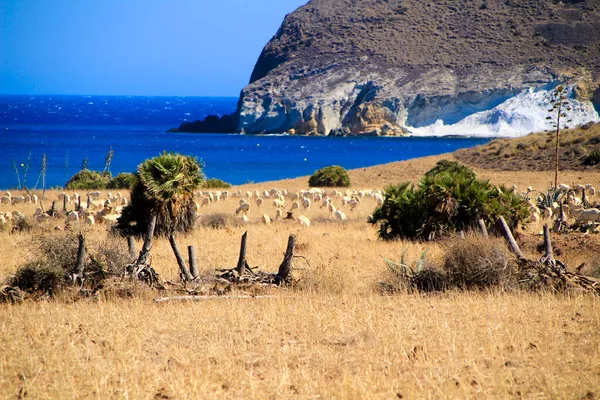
162,202
332,176
449,198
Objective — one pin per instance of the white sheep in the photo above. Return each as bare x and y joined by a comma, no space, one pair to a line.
5,200
259,201
243,208
265,219
305,202
589,215
591,189
278,213
304,221
17,199
245,219
326,202
72,217
93,195
353,204
42,218
339,214
205,201
295,205
89,219
279,203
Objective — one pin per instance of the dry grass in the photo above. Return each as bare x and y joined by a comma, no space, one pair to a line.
333,336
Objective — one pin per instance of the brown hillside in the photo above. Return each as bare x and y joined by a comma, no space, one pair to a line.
536,152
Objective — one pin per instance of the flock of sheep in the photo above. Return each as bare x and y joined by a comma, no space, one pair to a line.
576,205
275,204
288,202
95,209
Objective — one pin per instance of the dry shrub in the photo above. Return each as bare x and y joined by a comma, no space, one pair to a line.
114,253
39,276
217,221
59,249
430,279
478,263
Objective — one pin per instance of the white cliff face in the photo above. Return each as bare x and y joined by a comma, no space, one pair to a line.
507,103
519,115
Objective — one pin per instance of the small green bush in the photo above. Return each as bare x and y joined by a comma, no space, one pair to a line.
86,180
214,183
593,158
122,181
332,176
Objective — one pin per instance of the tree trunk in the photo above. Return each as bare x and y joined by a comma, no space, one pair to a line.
548,244
482,228
283,275
131,246
192,261
185,273
512,243
65,203
241,265
148,239
79,266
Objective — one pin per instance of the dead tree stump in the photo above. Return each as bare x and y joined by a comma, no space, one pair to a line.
283,276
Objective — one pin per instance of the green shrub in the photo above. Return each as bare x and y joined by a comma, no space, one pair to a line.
122,181
448,199
214,183
593,158
332,176
86,180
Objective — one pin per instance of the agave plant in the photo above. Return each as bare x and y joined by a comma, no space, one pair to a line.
552,195
403,271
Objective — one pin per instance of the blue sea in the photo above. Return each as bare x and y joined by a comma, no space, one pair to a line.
71,129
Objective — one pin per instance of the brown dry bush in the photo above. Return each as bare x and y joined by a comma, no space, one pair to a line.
217,221
114,253
478,263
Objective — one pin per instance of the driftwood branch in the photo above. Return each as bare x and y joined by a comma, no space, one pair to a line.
510,239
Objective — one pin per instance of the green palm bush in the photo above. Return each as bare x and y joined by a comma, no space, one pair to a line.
332,176
162,201
449,198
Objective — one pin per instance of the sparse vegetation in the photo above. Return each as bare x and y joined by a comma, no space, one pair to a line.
332,176
537,151
593,158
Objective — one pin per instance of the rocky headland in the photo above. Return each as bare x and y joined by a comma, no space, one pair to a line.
410,67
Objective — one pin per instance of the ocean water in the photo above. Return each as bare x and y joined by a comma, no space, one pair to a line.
70,129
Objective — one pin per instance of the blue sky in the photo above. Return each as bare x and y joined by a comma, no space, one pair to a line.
134,47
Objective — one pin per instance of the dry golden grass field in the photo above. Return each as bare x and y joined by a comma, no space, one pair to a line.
332,335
